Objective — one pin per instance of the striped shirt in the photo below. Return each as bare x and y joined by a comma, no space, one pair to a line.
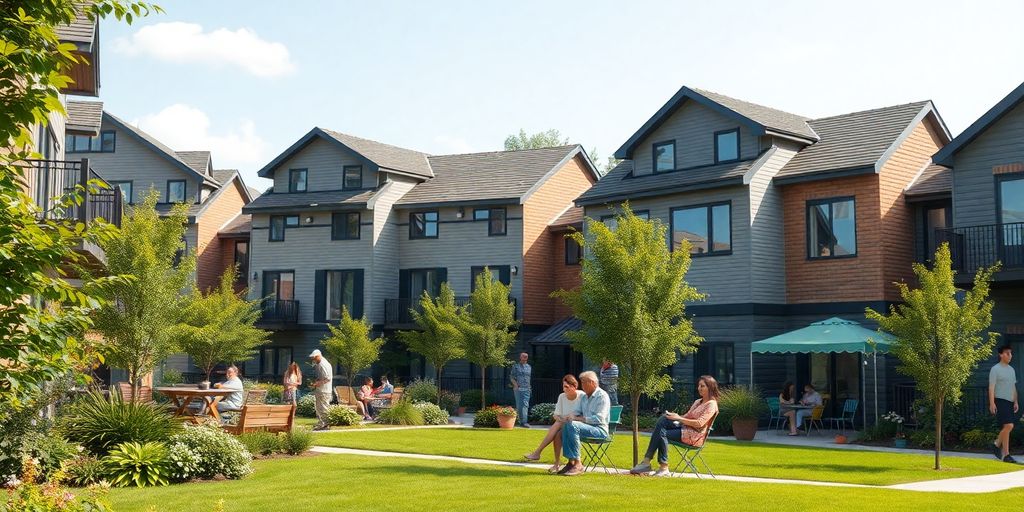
609,376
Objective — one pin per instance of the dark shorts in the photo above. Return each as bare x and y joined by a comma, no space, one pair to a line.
1004,412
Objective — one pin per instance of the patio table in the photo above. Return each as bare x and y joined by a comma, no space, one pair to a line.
794,407
209,398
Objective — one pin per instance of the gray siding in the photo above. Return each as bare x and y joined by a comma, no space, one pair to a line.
386,243
692,127
324,163
974,192
767,252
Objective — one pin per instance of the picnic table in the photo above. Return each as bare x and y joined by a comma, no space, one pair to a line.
208,398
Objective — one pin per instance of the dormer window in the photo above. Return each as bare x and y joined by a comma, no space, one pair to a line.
727,146
296,180
664,156
175,191
353,177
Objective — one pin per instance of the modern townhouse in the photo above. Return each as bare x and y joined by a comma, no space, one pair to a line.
369,226
790,220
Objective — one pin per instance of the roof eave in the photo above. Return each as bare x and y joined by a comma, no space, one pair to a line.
945,155
826,175
170,158
927,110
690,187
465,202
577,150
268,170
320,207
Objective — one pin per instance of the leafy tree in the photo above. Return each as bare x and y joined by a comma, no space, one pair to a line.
39,341
219,327
487,333
632,302
545,139
439,339
940,340
351,345
142,315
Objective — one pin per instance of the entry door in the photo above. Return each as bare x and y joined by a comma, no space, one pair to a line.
279,285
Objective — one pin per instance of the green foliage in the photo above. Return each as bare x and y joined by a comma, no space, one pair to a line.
471,398
351,345
341,416
449,401
261,442
539,140
540,414
99,424
19,426
275,392
487,329
440,335
219,326
632,303
141,465
740,403
421,390
83,471
402,413
207,451
306,406
940,341
977,438
432,414
299,440
645,421
171,376
923,438
486,418
31,496
881,431
50,450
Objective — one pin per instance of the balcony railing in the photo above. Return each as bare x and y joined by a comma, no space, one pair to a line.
280,312
52,182
398,312
973,247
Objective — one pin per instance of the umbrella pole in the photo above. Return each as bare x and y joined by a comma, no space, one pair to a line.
751,369
863,391
874,356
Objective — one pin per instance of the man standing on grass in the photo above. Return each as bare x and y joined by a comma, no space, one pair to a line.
1002,401
520,377
592,422
321,388
610,381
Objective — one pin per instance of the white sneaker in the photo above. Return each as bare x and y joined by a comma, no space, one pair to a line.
662,472
641,468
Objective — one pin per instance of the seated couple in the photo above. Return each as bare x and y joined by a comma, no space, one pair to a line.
369,398
577,413
690,428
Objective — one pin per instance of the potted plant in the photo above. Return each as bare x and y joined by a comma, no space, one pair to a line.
506,417
744,407
899,439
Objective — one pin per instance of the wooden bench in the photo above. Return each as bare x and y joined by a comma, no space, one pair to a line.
347,398
271,418
396,396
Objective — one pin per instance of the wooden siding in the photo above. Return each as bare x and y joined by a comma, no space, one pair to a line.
767,254
227,258
539,269
566,277
324,163
974,190
210,259
693,128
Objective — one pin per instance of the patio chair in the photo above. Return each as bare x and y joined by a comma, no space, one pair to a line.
256,397
847,416
775,416
595,450
145,392
689,454
814,420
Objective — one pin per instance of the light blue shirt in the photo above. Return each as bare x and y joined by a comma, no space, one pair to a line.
234,400
386,389
595,409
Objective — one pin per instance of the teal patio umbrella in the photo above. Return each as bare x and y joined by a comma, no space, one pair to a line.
827,336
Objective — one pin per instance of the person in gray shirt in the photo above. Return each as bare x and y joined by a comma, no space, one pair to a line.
520,377
321,387
1002,401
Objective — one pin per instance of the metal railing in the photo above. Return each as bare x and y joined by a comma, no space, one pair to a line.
52,184
280,311
974,402
973,247
398,312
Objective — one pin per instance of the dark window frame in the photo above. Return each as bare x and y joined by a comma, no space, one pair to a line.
495,272
811,203
424,235
654,156
264,291
486,211
344,176
184,191
345,235
999,180
131,188
711,228
638,213
71,142
706,361
351,274
292,186
113,141
576,250
276,359
284,226
242,268
491,218
724,132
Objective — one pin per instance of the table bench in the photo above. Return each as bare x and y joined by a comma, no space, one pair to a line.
270,418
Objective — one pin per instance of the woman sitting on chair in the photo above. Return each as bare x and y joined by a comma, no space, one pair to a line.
566,407
788,397
365,396
690,428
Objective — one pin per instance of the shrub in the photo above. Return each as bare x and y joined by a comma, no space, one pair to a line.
540,414
261,442
306,406
450,402
29,495
742,403
402,413
99,424
275,392
421,390
184,462
83,471
299,440
216,453
646,420
487,418
432,414
977,438
881,431
138,464
50,451
341,416
471,398
924,438
170,377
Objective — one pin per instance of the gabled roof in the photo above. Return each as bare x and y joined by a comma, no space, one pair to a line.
84,117
81,32
309,201
858,142
239,227
225,176
935,181
199,161
570,217
760,120
555,335
195,210
157,147
377,154
495,177
945,155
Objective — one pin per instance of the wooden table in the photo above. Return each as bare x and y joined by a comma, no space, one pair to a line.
209,398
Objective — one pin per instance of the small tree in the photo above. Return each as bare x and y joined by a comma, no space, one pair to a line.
142,313
940,340
487,333
219,327
439,338
350,344
632,302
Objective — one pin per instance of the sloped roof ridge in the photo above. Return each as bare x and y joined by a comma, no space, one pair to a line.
505,151
921,103
336,132
713,93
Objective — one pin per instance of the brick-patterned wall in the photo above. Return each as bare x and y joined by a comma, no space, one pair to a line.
538,272
211,252
566,277
227,258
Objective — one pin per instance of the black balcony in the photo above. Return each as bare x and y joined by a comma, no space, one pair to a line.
279,313
974,247
398,312
53,184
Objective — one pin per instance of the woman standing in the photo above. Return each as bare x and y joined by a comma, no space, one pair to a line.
292,380
566,407
690,428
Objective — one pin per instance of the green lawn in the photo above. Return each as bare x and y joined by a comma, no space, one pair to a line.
725,457
311,422
341,482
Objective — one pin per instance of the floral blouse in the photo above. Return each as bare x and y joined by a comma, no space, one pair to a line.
702,412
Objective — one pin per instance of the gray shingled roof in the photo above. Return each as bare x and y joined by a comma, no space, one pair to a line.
934,180
197,160
769,117
498,175
574,215
193,208
224,175
620,183
239,226
85,117
167,152
555,335
851,141
80,32
386,155
323,200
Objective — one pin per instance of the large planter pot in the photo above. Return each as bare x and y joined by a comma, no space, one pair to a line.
203,385
744,429
507,422
900,443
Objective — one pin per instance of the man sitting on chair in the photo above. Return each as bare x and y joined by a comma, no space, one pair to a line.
592,421
234,401
690,428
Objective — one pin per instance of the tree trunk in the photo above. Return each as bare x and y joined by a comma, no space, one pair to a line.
938,431
634,402
483,391
439,385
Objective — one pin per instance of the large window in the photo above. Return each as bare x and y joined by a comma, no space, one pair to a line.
717,360
573,251
831,228
340,290
495,218
707,227
664,154
416,281
278,225
500,273
125,187
1011,199
345,226
612,221
727,145
423,225
242,261
102,143
296,180
175,191
352,177
936,219
274,361
279,284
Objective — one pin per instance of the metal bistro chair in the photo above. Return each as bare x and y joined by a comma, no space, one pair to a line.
847,416
595,450
689,454
775,416
814,420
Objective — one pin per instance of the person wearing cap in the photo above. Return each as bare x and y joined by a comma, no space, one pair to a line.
321,387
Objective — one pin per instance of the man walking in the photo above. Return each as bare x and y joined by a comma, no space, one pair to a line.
321,388
1002,401
520,377
610,381
592,421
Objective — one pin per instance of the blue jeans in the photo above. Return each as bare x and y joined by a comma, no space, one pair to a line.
523,405
613,393
664,430
571,433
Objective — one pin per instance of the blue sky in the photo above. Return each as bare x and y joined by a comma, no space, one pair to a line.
246,79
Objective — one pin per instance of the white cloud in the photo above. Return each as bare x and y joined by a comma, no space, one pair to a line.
453,145
186,43
186,128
